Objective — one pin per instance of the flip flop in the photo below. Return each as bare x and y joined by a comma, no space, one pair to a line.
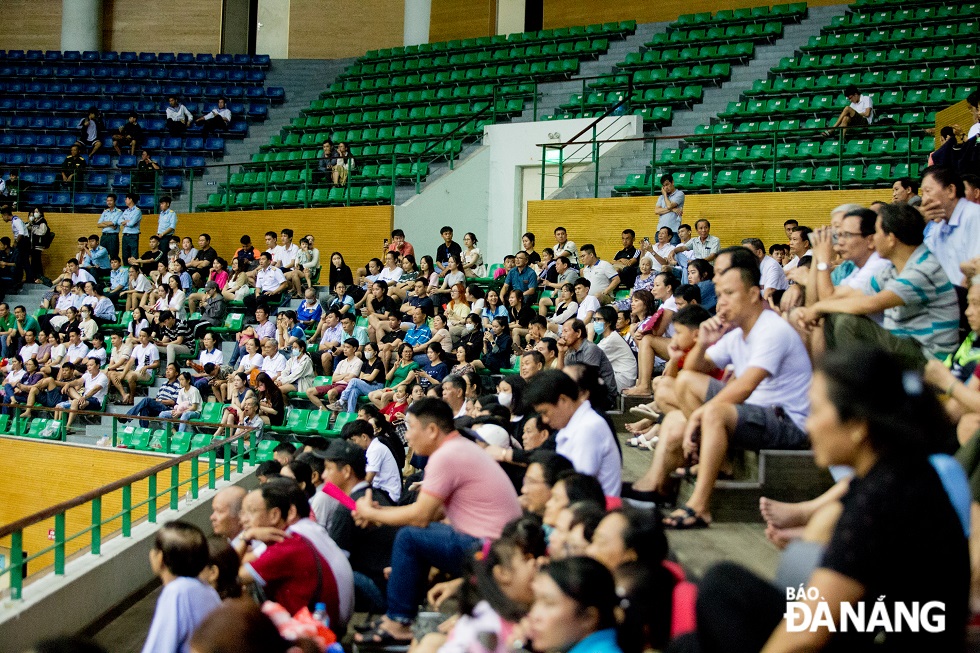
380,638
646,412
681,522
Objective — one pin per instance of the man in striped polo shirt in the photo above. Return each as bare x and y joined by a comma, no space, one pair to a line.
919,302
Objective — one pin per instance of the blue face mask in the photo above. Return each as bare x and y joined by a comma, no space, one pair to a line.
599,327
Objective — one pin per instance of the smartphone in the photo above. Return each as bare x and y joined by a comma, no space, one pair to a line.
646,240
386,243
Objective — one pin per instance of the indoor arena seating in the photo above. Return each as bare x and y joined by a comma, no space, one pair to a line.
672,69
912,61
43,95
401,109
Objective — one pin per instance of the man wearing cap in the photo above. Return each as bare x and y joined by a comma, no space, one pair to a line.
464,484
369,548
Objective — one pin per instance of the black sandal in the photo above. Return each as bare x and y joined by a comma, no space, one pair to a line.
368,626
380,638
688,520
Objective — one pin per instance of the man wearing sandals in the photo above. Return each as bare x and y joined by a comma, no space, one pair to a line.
763,407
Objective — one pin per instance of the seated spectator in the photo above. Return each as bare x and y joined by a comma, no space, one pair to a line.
328,160
382,470
178,117
494,308
290,556
472,258
583,435
89,129
73,166
872,413
601,274
298,374
237,286
643,280
953,232
86,392
519,315
614,347
446,250
799,247
772,276
919,303
200,267
215,120
189,402
146,171
461,481
574,608
521,279
165,399
906,190
859,113
178,556
130,134
497,346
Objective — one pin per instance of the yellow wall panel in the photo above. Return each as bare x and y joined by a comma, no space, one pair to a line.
462,19
30,24
29,486
732,216
331,29
188,26
566,13
358,231
957,114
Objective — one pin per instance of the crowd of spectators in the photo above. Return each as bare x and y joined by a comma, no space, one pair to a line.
480,443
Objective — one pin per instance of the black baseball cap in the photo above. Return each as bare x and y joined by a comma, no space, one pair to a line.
342,451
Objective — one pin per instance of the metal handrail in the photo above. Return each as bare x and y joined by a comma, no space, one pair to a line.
15,530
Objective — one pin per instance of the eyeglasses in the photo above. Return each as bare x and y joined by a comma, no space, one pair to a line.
849,234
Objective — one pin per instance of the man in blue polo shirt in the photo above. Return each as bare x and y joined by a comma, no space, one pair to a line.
109,221
167,223
521,278
130,222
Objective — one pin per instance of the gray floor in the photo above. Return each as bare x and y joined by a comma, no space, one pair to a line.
695,550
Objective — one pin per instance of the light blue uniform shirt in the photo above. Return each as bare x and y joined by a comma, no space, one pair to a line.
119,278
168,220
183,604
98,257
114,216
957,240
134,217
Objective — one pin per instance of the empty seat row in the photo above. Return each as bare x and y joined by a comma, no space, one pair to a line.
406,100
792,12
41,126
764,128
762,179
878,148
435,131
755,32
83,73
182,58
651,58
904,35
299,198
653,117
514,55
479,74
718,73
308,157
606,30
916,77
66,200
919,16
824,103
97,161
886,59
132,91
49,141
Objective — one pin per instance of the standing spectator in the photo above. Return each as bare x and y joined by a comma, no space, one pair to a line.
167,223
131,134
109,222
670,205
217,119
41,238
859,113
89,129
20,242
178,117
178,556
74,165
130,222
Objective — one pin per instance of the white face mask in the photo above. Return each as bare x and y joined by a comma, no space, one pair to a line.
173,245
505,398
368,355
470,327
296,353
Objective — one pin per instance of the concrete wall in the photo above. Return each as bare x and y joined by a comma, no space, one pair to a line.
460,199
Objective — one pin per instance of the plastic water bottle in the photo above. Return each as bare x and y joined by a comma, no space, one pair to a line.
335,648
320,614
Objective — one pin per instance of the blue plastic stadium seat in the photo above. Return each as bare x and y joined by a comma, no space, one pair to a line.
213,145
242,60
121,181
194,144
206,59
97,179
152,143
37,159
185,57
276,94
224,59
172,143
261,60
99,161
127,162
171,182
35,198
166,58
146,203
85,200
171,162
196,163
59,200
147,57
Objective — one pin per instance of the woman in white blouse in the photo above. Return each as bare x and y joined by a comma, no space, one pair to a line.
298,375
472,258
175,299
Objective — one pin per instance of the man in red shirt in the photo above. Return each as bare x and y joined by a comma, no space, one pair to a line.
292,559
461,482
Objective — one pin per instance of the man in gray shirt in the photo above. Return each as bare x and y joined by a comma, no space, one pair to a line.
575,347
670,206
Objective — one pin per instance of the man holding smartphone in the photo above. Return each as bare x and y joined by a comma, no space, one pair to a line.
627,260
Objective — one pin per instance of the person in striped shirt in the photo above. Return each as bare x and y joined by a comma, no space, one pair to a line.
918,300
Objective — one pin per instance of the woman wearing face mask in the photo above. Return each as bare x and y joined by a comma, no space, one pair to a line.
574,608
510,394
87,324
472,338
371,378
298,375
38,229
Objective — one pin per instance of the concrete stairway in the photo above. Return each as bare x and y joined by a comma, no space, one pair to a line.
715,100
302,80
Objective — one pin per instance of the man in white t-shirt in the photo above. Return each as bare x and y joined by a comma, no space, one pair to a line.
601,274
273,362
144,360
587,303
799,246
771,275
382,470
620,355
86,392
859,113
764,406
284,254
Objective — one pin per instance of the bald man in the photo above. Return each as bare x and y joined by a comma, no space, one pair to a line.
225,509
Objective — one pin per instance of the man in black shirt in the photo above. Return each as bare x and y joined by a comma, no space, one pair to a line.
369,548
148,261
146,170
73,165
392,340
447,249
175,335
421,299
627,260
130,134
201,265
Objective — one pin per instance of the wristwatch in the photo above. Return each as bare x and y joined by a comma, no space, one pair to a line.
823,267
